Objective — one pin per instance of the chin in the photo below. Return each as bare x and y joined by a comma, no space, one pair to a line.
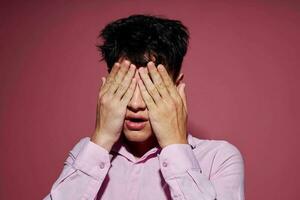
138,135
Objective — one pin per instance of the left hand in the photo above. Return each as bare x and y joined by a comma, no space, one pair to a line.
166,105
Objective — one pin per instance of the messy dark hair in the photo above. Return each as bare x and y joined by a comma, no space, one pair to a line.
141,38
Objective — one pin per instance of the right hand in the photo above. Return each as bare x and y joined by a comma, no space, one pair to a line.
114,96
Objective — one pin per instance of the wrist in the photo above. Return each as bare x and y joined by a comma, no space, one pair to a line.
102,141
173,142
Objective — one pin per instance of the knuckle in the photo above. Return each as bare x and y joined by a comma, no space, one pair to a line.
168,84
159,85
179,101
100,94
122,87
125,96
111,103
103,100
123,70
172,105
114,84
118,81
123,101
152,91
130,72
127,80
129,89
109,81
148,99
176,102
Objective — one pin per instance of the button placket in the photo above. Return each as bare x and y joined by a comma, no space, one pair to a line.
138,170
135,181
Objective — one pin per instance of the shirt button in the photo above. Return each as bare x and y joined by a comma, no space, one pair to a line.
165,164
102,165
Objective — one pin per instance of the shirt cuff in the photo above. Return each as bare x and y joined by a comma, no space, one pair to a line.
176,159
93,160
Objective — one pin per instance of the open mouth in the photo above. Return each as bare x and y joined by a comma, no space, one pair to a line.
137,120
135,123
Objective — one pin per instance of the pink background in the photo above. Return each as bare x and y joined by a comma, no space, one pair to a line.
242,74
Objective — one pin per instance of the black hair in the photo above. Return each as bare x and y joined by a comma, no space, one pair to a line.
140,38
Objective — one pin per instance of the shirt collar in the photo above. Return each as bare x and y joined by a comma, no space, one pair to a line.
120,148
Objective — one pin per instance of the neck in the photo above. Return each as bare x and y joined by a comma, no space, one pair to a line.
138,149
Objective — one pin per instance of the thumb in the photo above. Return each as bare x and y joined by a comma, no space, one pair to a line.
181,91
103,79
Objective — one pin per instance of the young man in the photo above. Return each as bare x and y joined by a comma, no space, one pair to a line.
140,148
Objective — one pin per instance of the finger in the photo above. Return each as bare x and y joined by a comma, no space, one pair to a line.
146,96
157,80
129,92
168,81
181,91
126,82
119,77
149,85
103,79
110,77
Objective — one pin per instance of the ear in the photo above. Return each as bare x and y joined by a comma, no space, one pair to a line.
179,79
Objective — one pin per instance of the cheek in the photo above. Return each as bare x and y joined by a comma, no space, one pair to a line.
149,127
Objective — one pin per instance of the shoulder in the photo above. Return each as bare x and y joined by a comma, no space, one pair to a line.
216,146
217,155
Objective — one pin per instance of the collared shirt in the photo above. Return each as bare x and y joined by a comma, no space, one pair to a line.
200,170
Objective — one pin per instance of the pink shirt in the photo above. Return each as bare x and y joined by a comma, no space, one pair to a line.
200,170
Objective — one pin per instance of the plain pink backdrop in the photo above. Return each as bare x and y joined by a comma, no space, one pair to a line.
242,74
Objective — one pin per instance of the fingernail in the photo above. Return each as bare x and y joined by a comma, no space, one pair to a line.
150,63
126,62
132,66
160,67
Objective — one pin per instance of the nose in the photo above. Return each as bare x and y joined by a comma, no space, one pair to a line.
137,102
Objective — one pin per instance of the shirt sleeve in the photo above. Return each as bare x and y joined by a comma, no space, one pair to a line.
83,172
182,172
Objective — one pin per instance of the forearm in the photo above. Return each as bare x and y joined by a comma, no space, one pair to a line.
179,167
82,175
186,181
